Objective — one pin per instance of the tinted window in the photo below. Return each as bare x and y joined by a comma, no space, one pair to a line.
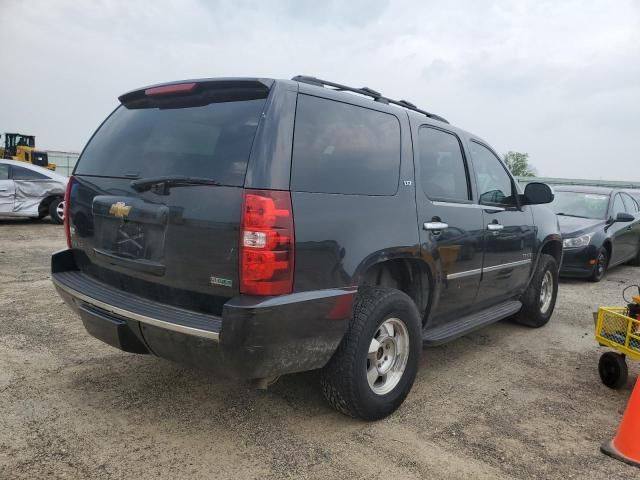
443,174
211,141
4,172
630,204
494,183
19,173
341,148
618,206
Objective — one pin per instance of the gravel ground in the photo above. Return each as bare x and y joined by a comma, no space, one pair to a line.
505,402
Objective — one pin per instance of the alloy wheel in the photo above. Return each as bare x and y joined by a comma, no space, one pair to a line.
387,356
60,210
546,292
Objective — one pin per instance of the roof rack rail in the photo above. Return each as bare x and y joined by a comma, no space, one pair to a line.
377,96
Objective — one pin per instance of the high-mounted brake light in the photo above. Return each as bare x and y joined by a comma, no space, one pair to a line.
266,243
67,220
170,89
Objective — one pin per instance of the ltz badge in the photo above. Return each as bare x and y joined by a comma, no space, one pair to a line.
223,282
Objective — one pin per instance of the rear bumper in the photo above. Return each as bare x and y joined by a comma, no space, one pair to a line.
256,337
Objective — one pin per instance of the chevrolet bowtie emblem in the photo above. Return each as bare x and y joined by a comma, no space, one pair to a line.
119,209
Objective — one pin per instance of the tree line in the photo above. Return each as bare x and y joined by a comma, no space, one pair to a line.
518,164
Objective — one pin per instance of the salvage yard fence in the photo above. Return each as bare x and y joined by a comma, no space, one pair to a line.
576,181
65,161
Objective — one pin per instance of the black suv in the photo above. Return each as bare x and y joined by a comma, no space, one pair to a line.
260,227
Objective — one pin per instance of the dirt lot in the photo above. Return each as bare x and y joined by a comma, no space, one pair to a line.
506,402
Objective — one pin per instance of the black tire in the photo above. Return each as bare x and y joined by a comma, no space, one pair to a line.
54,210
613,371
344,378
534,313
600,267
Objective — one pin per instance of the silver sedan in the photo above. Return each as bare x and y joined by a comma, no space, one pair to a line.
27,190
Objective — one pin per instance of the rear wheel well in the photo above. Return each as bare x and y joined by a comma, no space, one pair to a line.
43,208
408,276
554,249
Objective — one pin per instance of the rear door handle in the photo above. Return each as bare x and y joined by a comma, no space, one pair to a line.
3,189
435,226
494,227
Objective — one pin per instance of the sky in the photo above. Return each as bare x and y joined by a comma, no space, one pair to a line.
559,80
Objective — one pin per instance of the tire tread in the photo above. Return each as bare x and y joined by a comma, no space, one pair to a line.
339,386
530,315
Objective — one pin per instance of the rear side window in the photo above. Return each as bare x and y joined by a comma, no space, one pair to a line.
629,203
4,172
212,141
19,173
342,148
443,173
618,205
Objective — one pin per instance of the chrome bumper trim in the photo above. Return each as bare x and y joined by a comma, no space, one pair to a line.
196,332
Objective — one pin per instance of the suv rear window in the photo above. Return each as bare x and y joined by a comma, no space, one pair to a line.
342,148
212,141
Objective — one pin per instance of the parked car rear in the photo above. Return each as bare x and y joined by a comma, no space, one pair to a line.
260,227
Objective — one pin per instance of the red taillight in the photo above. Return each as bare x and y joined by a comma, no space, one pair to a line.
67,220
170,89
266,243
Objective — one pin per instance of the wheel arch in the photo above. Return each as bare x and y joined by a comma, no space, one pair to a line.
43,208
551,245
409,274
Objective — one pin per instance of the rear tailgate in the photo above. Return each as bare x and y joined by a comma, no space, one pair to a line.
175,244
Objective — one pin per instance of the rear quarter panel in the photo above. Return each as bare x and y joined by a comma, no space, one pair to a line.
338,236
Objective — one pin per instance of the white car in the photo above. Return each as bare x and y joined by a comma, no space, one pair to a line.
27,190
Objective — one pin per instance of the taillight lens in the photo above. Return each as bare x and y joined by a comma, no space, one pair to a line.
266,243
170,89
67,220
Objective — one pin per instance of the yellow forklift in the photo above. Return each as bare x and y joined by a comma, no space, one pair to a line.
18,146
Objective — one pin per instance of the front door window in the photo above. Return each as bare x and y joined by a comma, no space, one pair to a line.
494,183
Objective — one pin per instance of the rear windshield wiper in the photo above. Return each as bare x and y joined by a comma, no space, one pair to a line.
161,185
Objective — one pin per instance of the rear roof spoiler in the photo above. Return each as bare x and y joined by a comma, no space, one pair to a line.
201,92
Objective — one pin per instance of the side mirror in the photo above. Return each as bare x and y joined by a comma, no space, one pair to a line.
623,217
536,193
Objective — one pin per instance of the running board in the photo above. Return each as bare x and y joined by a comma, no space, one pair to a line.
451,330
